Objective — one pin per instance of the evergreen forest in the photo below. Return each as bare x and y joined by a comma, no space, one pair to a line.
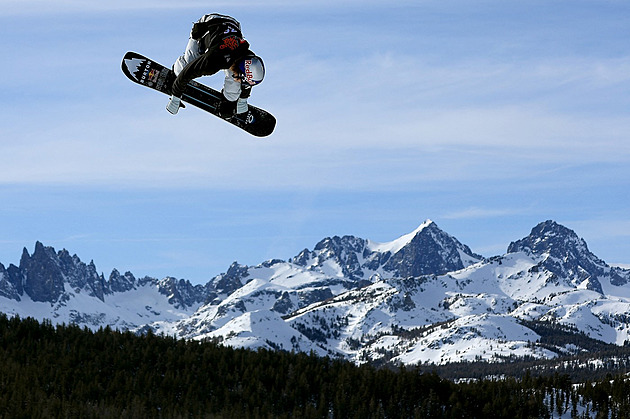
49,371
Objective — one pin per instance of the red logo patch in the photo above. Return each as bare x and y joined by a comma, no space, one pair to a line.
231,43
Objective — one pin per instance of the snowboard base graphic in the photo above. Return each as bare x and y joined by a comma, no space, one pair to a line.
144,71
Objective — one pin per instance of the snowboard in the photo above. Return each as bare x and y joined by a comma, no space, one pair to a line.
145,71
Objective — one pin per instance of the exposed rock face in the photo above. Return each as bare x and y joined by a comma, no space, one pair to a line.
423,297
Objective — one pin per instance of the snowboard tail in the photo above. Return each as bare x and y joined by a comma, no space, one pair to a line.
146,72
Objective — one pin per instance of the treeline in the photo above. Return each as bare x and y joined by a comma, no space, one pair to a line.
51,371
592,359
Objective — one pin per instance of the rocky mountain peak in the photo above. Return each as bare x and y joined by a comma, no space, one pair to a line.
563,253
343,251
121,283
181,293
43,280
55,277
45,274
428,250
551,238
399,295
230,281
336,245
396,245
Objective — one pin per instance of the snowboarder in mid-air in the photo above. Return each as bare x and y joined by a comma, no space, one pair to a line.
216,43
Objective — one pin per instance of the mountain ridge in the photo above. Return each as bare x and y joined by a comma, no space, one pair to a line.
424,297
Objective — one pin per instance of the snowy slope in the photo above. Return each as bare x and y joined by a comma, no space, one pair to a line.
423,297
474,313
60,287
395,246
126,311
335,266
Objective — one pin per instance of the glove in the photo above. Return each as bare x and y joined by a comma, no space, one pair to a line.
227,109
199,29
241,105
174,104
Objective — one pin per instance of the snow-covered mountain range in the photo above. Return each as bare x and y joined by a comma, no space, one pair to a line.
424,297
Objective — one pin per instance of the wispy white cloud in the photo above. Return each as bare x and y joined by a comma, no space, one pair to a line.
56,7
333,139
469,112
602,228
478,212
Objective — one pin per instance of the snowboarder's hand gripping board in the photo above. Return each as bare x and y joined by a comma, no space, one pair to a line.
153,75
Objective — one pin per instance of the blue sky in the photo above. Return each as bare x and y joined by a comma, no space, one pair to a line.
487,117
